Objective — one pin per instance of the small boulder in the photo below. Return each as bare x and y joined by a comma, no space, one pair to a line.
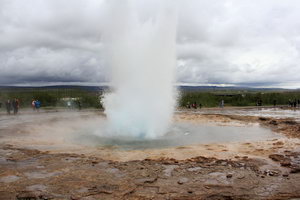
276,157
182,180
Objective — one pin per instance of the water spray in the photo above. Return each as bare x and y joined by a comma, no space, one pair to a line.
141,51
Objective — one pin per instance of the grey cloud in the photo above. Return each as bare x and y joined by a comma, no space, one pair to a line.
253,42
242,42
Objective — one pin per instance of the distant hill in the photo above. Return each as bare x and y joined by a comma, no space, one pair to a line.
216,88
181,88
87,88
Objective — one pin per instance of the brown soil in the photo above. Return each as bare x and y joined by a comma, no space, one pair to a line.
253,170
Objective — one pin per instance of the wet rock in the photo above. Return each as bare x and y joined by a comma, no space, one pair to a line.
106,189
274,122
168,161
82,190
217,178
262,119
169,169
276,157
279,143
27,196
290,122
41,174
36,195
271,172
295,170
221,162
285,174
229,175
182,180
146,180
241,176
112,170
94,163
202,159
37,187
220,197
194,169
286,163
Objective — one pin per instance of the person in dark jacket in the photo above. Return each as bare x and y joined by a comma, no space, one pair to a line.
8,106
15,105
274,102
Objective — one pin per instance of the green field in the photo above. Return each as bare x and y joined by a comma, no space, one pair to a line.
84,98
57,97
238,98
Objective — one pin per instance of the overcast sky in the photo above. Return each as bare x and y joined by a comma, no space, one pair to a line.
231,42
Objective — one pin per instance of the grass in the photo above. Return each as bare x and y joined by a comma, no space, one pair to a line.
233,98
53,97
58,97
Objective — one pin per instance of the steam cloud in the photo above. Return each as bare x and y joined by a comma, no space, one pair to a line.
141,51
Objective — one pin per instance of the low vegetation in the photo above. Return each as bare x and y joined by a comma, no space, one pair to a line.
238,98
60,97
82,98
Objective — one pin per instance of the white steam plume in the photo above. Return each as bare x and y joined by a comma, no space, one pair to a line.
141,51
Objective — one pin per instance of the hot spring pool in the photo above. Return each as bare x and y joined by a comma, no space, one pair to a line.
61,130
181,134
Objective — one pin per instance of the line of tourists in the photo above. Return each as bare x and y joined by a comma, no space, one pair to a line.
13,105
294,103
35,104
193,105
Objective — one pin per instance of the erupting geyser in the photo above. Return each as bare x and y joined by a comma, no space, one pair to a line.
141,51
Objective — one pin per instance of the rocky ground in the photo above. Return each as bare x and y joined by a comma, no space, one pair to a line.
262,170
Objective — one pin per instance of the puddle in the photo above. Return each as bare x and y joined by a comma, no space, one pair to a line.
42,174
37,187
194,169
169,169
9,179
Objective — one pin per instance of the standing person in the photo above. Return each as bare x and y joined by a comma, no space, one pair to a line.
8,106
222,103
15,105
274,102
33,104
37,105
188,105
259,102
194,105
69,104
79,105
